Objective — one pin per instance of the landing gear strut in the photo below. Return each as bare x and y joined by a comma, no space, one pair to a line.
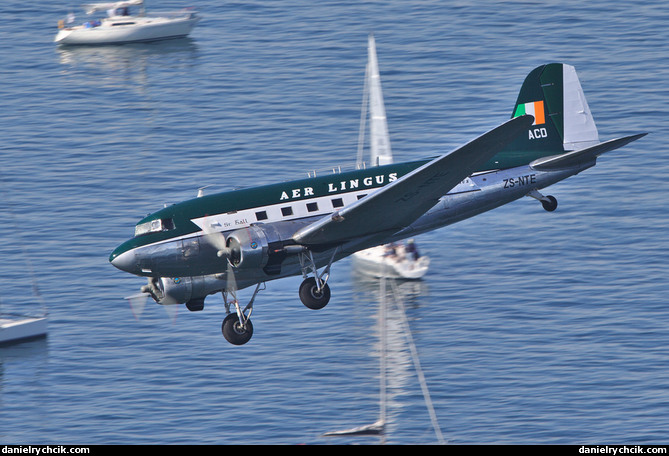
315,291
548,202
237,327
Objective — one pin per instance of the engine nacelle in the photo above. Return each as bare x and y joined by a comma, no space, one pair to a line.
179,290
249,248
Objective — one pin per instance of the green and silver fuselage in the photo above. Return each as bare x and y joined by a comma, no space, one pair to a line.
272,231
175,241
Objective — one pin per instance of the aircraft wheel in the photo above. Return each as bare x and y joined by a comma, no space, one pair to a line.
234,332
551,204
311,297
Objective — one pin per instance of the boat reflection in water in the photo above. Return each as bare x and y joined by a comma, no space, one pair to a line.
396,351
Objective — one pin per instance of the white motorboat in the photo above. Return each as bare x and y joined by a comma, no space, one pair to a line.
121,26
394,260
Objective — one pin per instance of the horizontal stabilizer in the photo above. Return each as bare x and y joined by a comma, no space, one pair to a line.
401,202
577,157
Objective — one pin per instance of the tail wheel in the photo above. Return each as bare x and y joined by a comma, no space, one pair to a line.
235,332
311,296
550,203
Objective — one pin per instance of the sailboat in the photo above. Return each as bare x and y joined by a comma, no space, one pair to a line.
398,260
20,326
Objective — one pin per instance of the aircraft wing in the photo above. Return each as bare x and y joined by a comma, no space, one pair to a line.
401,202
576,157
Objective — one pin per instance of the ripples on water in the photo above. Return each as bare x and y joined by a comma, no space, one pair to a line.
531,327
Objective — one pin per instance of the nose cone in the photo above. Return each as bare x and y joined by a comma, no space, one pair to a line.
124,259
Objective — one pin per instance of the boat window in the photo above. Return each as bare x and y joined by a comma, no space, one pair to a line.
122,23
312,207
261,215
361,196
337,202
286,211
154,226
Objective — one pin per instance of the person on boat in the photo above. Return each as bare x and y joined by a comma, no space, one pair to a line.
390,251
412,250
118,12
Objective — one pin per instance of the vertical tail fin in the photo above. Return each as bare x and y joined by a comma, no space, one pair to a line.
551,93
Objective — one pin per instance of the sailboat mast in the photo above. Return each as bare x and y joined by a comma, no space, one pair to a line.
363,116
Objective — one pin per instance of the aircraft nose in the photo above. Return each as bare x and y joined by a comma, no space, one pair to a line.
124,260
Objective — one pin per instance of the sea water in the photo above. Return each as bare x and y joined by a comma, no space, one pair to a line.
530,327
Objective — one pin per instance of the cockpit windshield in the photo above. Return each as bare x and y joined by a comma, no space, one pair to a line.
154,226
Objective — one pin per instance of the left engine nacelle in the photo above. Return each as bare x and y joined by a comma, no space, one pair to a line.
249,248
179,290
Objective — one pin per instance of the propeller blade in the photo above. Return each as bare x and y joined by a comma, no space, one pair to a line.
171,310
216,239
231,285
137,303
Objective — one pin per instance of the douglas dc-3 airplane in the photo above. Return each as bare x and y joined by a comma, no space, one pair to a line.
228,241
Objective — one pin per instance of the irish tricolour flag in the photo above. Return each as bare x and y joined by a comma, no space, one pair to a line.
535,108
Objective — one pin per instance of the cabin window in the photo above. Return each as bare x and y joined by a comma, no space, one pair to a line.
361,196
286,211
261,215
337,202
312,207
154,226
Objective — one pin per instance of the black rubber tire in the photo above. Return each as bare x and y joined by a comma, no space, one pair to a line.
310,297
234,332
551,204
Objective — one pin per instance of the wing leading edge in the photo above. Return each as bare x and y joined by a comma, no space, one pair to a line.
400,203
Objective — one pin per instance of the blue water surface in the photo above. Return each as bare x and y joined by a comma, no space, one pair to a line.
531,327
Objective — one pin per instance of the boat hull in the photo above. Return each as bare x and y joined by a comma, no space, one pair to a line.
21,328
151,30
372,262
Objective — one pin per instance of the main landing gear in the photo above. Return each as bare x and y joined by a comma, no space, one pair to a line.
237,327
314,291
548,202
314,294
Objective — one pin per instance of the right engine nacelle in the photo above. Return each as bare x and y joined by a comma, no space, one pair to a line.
249,248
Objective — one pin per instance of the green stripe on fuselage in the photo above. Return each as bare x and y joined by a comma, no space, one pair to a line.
267,195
